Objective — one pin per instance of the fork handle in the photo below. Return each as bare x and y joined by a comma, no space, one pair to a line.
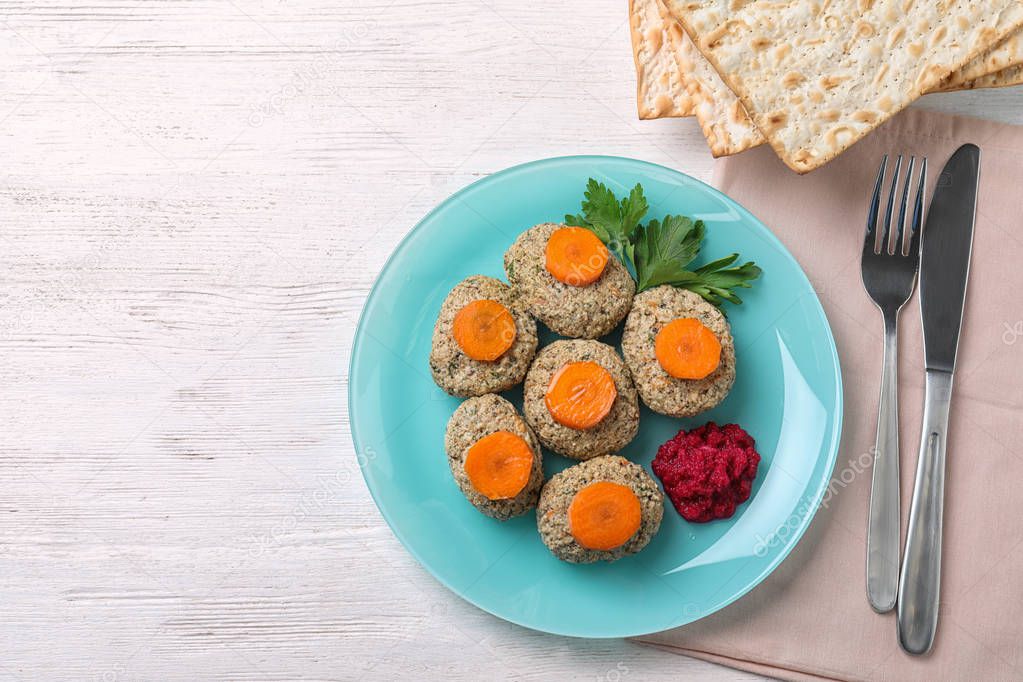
919,589
883,522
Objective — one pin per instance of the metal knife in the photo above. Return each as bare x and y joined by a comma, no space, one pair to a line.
944,269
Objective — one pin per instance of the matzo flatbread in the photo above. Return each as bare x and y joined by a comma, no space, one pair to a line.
659,89
721,115
819,76
723,119
660,94
1004,56
1004,78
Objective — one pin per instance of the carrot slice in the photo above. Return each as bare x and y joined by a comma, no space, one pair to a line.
686,349
484,330
580,395
604,515
498,465
575,256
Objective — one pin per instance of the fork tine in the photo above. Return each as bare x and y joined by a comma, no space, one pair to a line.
870,240
918,212
900,246
886,246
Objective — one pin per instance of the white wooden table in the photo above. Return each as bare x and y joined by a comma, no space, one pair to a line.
197,197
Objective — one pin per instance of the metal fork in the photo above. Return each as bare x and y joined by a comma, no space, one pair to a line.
889,267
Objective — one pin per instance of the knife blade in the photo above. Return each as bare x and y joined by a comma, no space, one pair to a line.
945,248
945,257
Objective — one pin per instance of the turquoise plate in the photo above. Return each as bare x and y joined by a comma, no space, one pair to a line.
788,395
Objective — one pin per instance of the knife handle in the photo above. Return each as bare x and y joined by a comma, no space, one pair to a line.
919,586
883,521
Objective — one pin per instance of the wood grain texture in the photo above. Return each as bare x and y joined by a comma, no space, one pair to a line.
197,197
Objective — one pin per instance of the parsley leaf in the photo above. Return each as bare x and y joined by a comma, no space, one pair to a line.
661,251
614,222
665,248
715,281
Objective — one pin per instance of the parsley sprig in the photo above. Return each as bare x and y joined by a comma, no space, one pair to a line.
661,251
614,222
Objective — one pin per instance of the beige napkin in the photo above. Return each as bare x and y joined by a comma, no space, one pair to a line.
810,619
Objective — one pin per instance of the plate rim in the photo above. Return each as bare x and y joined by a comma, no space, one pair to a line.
833,447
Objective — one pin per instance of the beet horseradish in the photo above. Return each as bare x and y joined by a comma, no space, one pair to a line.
707,472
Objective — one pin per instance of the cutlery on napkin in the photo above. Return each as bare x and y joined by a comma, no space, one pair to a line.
808,619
